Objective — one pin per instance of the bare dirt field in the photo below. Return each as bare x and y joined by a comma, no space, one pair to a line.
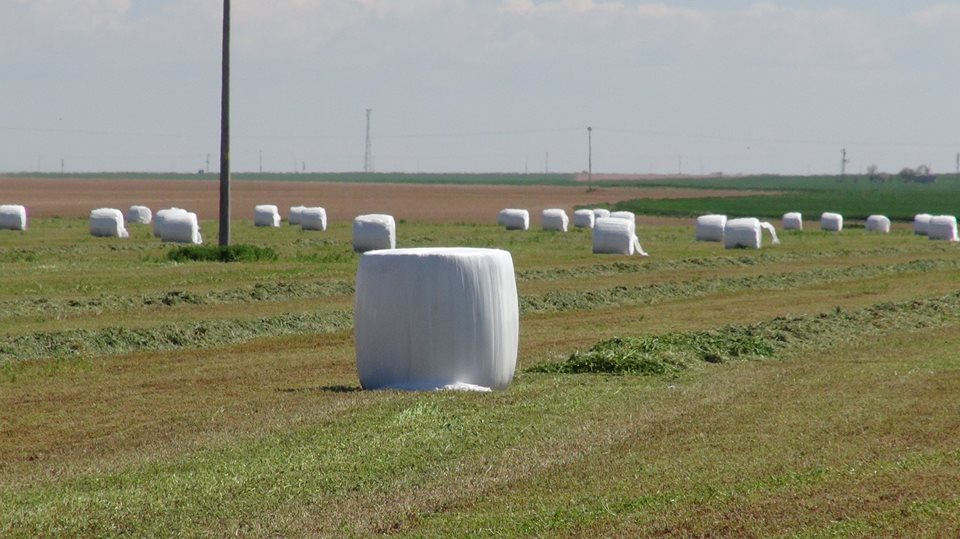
427,203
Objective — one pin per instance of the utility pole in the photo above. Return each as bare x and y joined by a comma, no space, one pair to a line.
207,170
225,131
261,161
843,163
589,159
368,152
958,162
546,163
61,165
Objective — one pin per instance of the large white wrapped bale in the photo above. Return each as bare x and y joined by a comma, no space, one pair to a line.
878,223
514,219
436,318
793,221
555,219
312,218
181,227
13,217
374,231
107,223
266,215
943,227
629,216
295,212
139,214
600,212
583,218
710,227
616,236
831,222
161,216
921,223
747,232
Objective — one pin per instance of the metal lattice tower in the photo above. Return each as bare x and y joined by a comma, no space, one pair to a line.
368,154
843,162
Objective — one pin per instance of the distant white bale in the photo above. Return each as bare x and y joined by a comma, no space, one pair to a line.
13,217
629,216
555,219
793,221
831,222
107,223
747,232
266,215
615,236
295,212
600,212
180,227
160,217
373,232
921,223
514,219
313,218
139,214
436,318
583,218
943,227
878,223
710,227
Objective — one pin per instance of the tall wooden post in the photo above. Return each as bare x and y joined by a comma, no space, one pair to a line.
225,131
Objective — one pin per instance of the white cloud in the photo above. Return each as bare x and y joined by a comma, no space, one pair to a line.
937,14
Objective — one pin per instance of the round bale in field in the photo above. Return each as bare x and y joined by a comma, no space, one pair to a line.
139,214
374,231
878,223
793,221
433,318
710,227
943,227
295,212
600,212
313,218
161,216
612,235
921,224
583,218
13,217
746,232
555,219
831,222
180,227
514,219
107,223
266,215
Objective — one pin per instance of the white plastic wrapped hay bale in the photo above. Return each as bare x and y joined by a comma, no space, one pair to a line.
266,215
160,217
878,223
107,223
921,223
436,318
943,227
616,236
583,218
626,215
13,217
600,212
793,221
747,232
710,227
313,218
181,227
514,219
139,214
295,212
373,232
831,222
555,219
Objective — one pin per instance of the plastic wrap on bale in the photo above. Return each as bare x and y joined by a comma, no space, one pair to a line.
921,224
583,218
295,212
617,236
139,214
13,217
433,318
626,215
747,232
878,223
555,219
160,217
600,212
313,218
514,219
943,227
181,227
373,232
107,223
266,215
831,222
710,227
793,221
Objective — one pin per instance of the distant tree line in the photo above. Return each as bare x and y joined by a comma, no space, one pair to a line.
921,174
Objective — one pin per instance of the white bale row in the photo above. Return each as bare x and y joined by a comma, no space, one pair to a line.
831,222
436,318
793,221
266,215
312,218
374,232
612,235
13,217
878,223
943,227
921,223
555,219
107,223
178,226
514,219
583,218
747,232
139,214
295,212
710,227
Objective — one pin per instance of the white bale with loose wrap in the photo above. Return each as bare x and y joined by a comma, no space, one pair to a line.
266,215
583,218
616,236
107,223
878,223
793,221
555,219
710,227
180,227
943,227
514,219
921,224
374,231
434,318
13,217
747,232
139,214
831,222
160,217
295,211
312,218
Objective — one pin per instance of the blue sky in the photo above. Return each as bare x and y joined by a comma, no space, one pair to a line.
495,85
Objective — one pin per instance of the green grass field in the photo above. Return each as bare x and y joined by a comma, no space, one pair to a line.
802,390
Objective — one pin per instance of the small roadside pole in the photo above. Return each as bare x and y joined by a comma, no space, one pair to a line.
225,131
589,159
